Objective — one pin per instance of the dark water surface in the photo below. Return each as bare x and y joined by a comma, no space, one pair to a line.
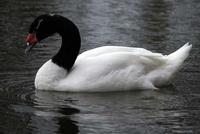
157,25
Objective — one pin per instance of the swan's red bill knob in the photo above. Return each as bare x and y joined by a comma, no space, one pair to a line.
31,40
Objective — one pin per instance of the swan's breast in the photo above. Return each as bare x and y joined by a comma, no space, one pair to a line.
48,75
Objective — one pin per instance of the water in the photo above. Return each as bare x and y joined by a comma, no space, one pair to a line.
158,25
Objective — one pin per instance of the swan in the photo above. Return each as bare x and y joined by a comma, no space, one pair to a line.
107,68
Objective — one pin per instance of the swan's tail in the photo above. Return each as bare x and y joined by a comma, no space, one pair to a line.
173,64
177,58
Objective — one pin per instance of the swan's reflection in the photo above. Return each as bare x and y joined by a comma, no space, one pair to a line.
53,114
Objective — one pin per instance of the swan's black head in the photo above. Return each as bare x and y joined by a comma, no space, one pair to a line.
42,27
46,25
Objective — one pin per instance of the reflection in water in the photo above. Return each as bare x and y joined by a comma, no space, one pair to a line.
66,125
143,111
53,116
100,112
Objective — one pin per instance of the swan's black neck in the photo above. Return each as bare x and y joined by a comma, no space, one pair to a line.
71,43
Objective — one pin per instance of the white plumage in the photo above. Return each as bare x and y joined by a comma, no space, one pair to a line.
112,68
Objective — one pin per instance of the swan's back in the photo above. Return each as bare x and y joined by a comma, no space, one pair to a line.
114,49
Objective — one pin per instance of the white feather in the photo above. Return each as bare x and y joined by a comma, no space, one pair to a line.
112,68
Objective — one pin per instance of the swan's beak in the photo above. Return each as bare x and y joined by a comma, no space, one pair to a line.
31,40
28,47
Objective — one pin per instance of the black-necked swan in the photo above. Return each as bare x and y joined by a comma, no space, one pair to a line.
107,68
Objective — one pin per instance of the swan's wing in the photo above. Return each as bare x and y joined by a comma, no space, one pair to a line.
112,70
105,63
119,59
